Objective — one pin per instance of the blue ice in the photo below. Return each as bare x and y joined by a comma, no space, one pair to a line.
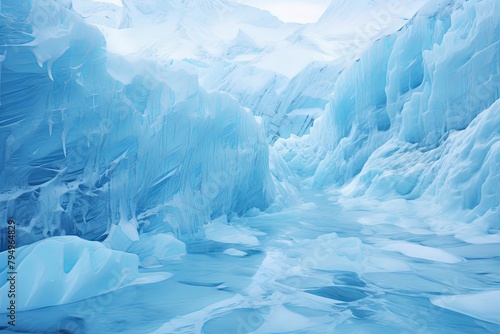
202,167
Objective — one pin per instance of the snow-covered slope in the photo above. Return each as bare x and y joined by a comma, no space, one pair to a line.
100,13
347,28
222,42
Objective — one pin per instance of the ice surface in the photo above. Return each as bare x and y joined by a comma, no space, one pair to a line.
329,252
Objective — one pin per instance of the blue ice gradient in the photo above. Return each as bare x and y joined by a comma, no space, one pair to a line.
158,193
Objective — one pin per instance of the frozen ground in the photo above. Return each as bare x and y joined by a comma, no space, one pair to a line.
321,267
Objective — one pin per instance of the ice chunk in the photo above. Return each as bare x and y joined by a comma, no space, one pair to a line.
122,236
155,248
61,270
330,252
234,252
221,232
422,252
484,305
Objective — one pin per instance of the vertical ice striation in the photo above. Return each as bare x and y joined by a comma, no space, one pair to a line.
91,140
406,118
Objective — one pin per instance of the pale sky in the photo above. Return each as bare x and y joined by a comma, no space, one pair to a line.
302,11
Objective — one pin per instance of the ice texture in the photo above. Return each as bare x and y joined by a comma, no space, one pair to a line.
91,140
416,116
267,177
482,305
61,270
223,41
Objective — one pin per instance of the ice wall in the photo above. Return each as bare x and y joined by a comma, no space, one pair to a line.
286,106
415,115
90,140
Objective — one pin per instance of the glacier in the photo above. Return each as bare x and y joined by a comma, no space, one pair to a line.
69,187
199,166
412,107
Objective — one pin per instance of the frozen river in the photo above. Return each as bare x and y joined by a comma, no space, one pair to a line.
321,267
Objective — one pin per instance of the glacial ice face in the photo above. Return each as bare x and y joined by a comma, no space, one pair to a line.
347,29
415,116
91,140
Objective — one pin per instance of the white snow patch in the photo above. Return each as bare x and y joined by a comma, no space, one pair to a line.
234,252
220,232
423,252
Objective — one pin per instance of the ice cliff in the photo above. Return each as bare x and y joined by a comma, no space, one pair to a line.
416,116
91,140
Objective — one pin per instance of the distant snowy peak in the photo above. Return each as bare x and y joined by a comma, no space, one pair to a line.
343,9
378,10
217,29
203,31
193,12
346,27
158,6
242,44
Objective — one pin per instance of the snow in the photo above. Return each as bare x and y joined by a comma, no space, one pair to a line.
422,252
291,11
234,252
219,231
201,166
